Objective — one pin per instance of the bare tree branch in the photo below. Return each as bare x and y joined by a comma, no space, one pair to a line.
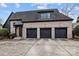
1,21
67,9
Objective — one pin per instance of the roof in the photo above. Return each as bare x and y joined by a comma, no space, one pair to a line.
33,15
7,19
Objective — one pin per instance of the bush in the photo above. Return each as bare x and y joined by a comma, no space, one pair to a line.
12,35
4,33
76,30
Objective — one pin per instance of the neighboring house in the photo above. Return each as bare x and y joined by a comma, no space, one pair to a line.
7,23
47,23
0,26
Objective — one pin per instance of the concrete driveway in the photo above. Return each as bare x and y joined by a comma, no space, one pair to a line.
42,47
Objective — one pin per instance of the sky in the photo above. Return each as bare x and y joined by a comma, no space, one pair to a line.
7,8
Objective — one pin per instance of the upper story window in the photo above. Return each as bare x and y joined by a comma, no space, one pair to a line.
45,16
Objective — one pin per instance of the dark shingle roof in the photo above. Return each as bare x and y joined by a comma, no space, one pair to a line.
34,15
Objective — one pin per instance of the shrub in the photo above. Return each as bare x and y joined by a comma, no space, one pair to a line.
76,30
4,33
12,35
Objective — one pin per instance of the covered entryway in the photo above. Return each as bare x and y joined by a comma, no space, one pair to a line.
60,32
18,29
31,32
45,32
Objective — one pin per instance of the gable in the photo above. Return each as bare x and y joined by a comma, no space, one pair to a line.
7,22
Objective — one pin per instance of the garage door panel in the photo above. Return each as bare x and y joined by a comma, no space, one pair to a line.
31,33
60,32
45,32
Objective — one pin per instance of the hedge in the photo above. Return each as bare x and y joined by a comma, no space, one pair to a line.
76,30
4,32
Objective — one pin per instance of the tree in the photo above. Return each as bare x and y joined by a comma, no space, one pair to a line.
76,30
68,9
1,21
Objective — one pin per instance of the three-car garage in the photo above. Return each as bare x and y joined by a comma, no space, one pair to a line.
46,32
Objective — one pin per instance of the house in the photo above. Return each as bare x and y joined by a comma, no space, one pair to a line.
45,23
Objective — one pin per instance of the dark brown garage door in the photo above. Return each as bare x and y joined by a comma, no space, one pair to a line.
60,32
45,32
31,33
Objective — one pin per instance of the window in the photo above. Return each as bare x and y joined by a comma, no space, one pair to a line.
18,22
45,15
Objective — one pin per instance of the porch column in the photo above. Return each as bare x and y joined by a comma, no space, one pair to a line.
17,31
38,33
53,33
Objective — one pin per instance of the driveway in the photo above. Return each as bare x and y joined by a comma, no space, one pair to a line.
42,47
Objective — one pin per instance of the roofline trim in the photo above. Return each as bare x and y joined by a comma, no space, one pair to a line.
44,21
8,18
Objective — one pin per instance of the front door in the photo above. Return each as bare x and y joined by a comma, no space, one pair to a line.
20,31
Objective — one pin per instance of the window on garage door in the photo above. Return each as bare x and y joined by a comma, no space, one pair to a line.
60,32
31,32
45,32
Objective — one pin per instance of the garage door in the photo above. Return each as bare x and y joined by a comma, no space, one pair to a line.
31,33
60,32
45,32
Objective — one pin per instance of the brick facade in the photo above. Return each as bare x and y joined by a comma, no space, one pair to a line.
52,25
